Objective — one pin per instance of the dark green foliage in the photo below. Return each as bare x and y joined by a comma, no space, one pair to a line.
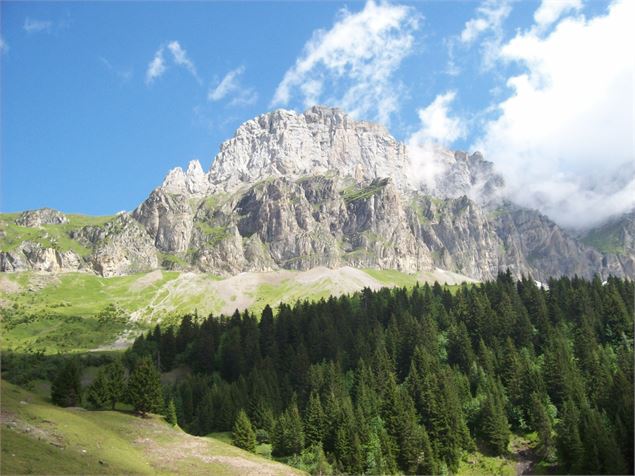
109,386
288,434
144,388
243,434
541,423
314,421
408,380
170,413
66,387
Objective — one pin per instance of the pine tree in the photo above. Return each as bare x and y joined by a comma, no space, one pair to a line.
144,388
97,393
542,425
115,382
494,425
314,421
288,435
569,444
66,388
243,434
170,412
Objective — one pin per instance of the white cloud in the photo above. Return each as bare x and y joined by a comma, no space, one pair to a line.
427,147
352,64
489,17
564,138
181,59
227,85
436,124
551,10
156,67
37,26
4,47
230,86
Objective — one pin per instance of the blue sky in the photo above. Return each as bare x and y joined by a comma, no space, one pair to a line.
100,100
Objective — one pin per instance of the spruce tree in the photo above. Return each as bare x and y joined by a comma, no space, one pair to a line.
144,388
66,387
243,434
494,425
97,393
170,412
314,421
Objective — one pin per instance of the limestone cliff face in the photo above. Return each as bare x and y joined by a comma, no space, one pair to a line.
296,191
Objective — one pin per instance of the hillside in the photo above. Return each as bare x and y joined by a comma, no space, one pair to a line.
40,438
71,312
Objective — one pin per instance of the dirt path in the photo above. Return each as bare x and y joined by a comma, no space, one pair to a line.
525,458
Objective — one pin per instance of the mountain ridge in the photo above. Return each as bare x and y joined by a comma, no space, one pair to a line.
296,191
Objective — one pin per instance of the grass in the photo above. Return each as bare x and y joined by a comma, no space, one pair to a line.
214,234
392,277
66,312
606,240
48,236
288,291
478,464
39,438
355,192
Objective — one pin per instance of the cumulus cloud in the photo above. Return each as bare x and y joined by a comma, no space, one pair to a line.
427,147
37,26
352,64
230,86
158,65
436,124
564,138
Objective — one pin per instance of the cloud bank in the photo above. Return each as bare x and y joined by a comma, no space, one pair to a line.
352,64
564,138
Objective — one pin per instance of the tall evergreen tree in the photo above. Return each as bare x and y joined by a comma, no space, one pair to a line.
243,434
144,388
66,387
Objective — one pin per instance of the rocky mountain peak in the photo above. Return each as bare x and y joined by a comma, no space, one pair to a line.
319,141
191,182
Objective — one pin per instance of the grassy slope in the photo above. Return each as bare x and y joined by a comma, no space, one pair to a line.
56,236
40,438
51,313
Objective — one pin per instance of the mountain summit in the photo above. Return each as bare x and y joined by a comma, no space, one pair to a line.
296,191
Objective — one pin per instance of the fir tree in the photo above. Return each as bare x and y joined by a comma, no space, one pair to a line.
314,421
144,388
170,412
243,434
66,387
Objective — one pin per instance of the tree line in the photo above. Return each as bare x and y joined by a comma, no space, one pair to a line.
407,380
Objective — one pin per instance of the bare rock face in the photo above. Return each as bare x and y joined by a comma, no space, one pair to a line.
322,140
33,256
123,247
42,216
168,218
192,182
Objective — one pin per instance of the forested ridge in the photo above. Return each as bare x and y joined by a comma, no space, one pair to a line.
406,380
